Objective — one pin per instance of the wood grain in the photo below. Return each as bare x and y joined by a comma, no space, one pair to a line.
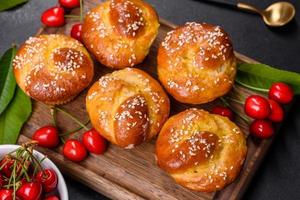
133,174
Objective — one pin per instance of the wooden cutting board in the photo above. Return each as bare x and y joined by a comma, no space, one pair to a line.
133,174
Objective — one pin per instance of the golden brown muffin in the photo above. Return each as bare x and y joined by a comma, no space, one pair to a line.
119,33
53,68
201,151
127,107
196,63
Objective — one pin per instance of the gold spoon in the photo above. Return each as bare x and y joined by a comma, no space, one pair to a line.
277,14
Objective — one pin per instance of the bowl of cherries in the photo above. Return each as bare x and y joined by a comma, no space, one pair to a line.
26,174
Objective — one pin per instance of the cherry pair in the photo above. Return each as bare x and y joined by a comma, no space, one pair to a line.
55,16
91,140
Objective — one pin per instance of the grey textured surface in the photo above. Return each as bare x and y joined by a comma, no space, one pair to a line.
278,177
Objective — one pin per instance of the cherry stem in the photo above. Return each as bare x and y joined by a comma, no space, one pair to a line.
9,182
238,92
72,16
5,163
34,158
16,158
53,114
43,172
29,144
23,168
62,140
235,100
81,11
72,117
75,130
252,87
9,185
237,113
10,153
14,177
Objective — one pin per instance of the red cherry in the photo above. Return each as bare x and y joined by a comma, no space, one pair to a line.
6,194
30,191
48,178
262,129
76,32
2,182
69,3
53,17
281,92
94,142
8,165
7,168
223,111
52,197
277,112
257,107
24,180
46,136
74,150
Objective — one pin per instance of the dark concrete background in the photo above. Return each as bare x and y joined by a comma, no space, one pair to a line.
278,177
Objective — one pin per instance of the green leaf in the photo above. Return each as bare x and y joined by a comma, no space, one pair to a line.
8,4
13,118
7,79
260,77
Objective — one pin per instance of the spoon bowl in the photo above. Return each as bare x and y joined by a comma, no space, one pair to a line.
278,14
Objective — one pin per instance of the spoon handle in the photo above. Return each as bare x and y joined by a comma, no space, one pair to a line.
236,4
230,3
249,8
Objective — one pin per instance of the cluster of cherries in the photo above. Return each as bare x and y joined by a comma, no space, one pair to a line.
73,149
22,177
55,16
264,111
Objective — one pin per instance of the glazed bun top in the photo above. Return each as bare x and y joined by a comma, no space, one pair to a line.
120,32
196,63
211,43
127,18
53,68
201,151
127,107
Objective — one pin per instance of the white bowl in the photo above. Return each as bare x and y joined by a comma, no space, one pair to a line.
47,163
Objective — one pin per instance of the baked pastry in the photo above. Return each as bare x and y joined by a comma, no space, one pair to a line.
201,151
196,63
53,68
127,107
119,33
